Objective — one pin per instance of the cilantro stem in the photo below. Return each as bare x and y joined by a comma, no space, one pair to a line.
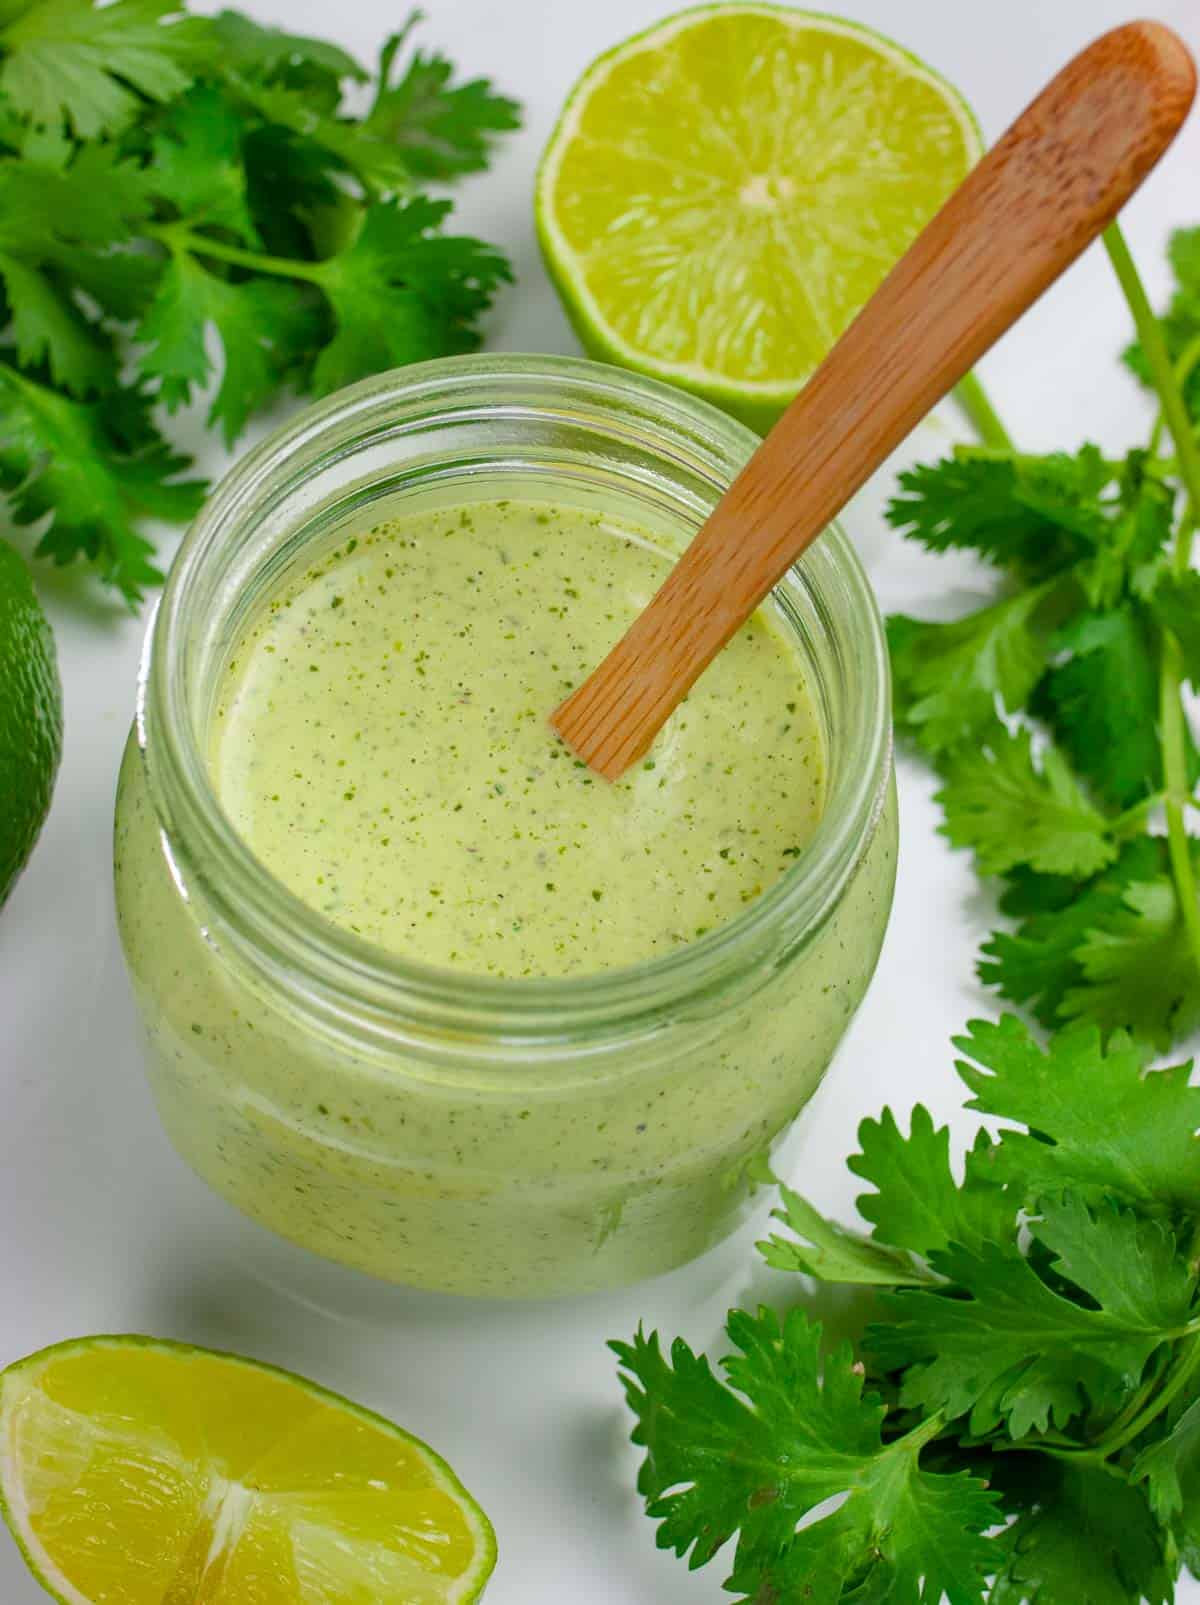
1173,730
976,403
1154,347
1046,1443
1185,1368
178,237
1184,367
1133,820
1145,1407
1174,745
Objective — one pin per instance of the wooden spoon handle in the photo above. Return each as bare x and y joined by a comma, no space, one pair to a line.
1044,192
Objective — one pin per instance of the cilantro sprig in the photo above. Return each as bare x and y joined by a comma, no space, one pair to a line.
757,1455
182,197
1021,1419
1055,714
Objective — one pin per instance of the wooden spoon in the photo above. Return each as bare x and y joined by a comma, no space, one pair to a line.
1056,179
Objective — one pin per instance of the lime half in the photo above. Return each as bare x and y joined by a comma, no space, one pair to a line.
137,1472
725,191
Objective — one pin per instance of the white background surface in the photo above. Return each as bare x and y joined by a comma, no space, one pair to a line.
102,1229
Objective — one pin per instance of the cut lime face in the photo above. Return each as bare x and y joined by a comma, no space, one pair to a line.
138,1472
724,192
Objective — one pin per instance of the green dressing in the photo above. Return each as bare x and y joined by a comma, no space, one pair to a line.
381,741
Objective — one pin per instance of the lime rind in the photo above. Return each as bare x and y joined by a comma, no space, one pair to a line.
756,402
31,717
23,1373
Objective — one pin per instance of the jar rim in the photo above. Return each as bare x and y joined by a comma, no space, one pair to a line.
348,978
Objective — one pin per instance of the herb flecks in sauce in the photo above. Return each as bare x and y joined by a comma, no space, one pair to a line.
382,744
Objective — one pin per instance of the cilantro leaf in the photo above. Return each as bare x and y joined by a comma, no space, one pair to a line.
120,282
97,199
403,292
265,325
1096,1121
789,1432
1102,705
998,802
917,1204
71,61
917,1207
291,188
15,133
1169,1467
1014,1350
273,54
93,467
374,161
1127,561
1137,970
1083,1537
1132,1267
1167,1463
831,1253
1176,604
444,129
48,328
198,166
948,677
48,216
1032,515
1037,965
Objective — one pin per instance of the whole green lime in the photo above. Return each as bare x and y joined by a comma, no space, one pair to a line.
30,717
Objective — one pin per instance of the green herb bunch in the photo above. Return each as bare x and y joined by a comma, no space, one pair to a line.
1020,1421
1055,714
171,184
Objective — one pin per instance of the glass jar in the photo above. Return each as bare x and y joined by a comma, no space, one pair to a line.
454,1131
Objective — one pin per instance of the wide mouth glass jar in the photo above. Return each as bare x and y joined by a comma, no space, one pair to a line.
458,1131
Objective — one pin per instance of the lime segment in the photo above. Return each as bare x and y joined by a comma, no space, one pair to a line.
137,1472
724,192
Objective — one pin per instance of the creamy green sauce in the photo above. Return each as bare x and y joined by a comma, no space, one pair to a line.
381,741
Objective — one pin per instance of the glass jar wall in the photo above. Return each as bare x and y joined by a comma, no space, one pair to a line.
453,1131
